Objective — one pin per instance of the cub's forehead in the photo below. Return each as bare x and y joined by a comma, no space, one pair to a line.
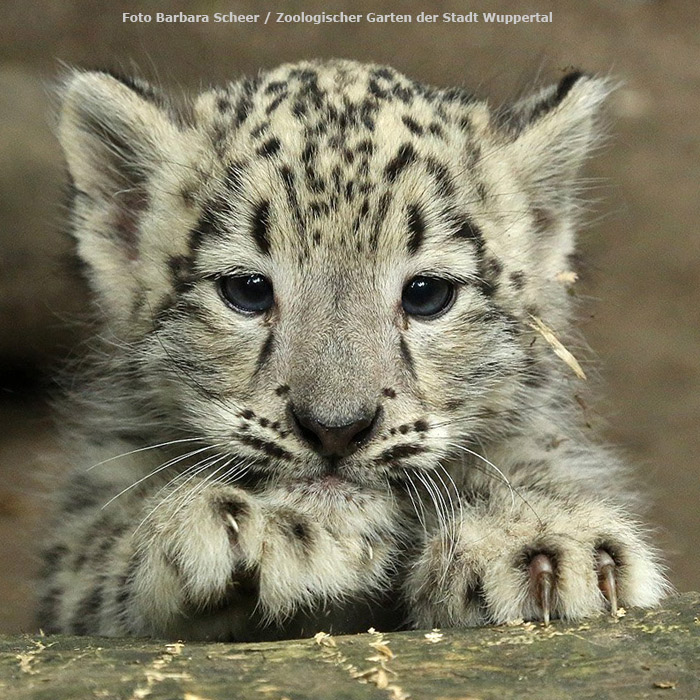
341,153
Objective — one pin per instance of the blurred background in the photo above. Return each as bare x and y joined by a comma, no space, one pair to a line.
641,277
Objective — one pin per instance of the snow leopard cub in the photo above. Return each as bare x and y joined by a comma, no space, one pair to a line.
319,399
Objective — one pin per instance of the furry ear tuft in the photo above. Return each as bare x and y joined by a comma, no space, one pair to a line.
115,133
552,133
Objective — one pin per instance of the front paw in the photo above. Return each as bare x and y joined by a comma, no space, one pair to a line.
535,560
199,548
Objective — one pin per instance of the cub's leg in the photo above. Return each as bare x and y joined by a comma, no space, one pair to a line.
206,560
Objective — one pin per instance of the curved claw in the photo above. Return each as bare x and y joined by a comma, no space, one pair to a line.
606,578
541,571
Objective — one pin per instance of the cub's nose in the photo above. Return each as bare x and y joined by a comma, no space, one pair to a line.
334,440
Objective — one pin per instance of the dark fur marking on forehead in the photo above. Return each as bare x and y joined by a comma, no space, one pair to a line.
442,177
469,231
368,109
270,147
379,217
436,130
275,87
260,130
457,94
404,158
412,125
275,103
282,389
260,228
403,93
206,227
416,226
290,188
299,109
377,91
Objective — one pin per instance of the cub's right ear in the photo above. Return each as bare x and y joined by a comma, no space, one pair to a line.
115,132
112,130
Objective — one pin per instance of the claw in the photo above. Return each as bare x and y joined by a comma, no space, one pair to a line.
606,579
542,575
232,522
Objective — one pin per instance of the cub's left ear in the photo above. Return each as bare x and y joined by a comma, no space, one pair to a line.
554,130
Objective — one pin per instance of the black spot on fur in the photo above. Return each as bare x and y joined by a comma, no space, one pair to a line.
399,452
376,90
517,279
436,130
379,218
47,612
389,392
412,125
442,177
282,390
420,426
405,156
269,148
489,271
86,614
265,446
275,103
260,229
302,533
416,226
275,87
469,231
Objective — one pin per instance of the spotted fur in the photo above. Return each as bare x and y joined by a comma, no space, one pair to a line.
201,506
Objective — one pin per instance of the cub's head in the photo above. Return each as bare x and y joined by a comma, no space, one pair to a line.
330,268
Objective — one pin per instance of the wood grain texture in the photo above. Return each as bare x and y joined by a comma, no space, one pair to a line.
644,654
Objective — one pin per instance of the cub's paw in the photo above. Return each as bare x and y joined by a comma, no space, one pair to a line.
535,561
199,548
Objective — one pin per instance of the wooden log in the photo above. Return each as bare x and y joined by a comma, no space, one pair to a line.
641,654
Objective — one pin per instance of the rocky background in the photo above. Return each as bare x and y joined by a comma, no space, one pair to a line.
640,282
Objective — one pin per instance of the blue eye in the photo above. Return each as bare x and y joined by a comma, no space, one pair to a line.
427,297
247,294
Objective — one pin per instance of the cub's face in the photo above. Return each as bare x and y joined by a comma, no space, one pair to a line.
329,271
